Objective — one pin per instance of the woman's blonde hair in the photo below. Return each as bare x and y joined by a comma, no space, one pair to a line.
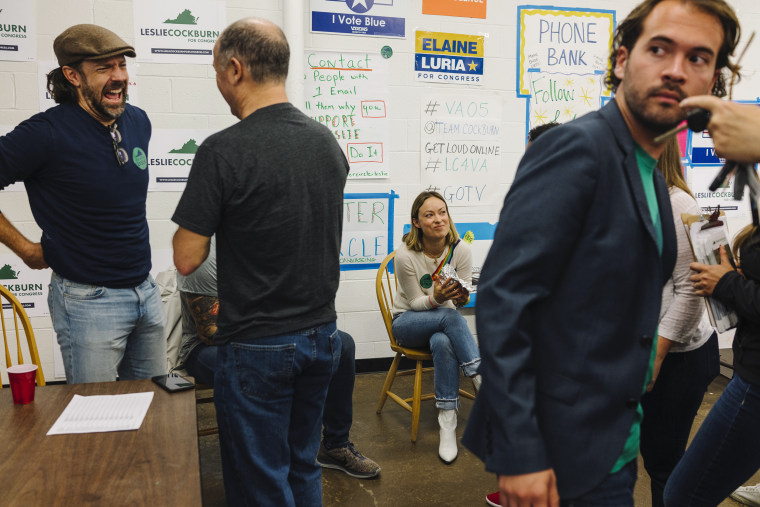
670,166
741,238
413,238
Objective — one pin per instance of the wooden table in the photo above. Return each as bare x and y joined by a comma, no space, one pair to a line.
155,465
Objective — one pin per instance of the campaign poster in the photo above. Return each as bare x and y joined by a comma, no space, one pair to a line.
30,286
46,100
461,141
171,154
348,92
18,36
448,58
459,8
373,18
177,31
699,178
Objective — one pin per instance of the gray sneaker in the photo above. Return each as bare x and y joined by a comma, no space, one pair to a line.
748,495
348,460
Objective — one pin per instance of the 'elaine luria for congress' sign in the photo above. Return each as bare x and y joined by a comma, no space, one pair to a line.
448,58
379,18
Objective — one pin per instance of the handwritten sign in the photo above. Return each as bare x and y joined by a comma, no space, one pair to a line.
461,148
367,230
562,97
348,92
562,41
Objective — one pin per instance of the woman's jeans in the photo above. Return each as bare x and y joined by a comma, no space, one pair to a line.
724,453
451,343
670,408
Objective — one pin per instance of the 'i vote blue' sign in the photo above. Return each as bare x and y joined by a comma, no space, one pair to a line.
379,18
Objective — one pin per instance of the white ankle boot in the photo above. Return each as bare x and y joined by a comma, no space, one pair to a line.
447,449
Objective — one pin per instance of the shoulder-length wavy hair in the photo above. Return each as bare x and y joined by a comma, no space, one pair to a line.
413,238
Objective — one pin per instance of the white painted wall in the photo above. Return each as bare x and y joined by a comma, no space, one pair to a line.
185,96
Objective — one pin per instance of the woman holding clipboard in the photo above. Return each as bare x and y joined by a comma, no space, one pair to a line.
424,312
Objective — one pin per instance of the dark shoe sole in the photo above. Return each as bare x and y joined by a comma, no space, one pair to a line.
448,462
357,475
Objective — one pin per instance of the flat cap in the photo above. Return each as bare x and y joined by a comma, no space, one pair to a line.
89,42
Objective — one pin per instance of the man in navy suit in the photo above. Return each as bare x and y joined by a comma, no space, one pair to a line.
569,296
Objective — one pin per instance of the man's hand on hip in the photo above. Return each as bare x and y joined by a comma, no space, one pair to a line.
536,489
33,256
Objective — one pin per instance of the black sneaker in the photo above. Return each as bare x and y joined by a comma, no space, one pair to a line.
348,460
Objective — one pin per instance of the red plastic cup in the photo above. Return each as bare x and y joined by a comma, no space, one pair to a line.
21,378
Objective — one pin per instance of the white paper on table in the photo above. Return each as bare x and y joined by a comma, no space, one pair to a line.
96,414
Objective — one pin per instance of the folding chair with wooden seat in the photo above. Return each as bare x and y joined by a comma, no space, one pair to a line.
385,287
11,314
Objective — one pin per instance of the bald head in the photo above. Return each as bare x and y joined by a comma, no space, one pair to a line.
259,45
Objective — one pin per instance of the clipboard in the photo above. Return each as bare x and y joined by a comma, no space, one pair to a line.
705,238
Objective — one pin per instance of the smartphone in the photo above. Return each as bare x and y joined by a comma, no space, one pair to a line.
173,382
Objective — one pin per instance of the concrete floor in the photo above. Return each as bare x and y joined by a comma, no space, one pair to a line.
412,474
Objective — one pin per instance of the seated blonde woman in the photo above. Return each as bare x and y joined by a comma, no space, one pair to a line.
424,312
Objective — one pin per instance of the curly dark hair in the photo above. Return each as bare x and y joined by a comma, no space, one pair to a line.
629,30
60,88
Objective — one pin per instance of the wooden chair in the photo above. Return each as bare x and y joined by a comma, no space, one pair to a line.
385,287
11,312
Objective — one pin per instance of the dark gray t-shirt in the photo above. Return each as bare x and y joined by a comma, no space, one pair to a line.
271,188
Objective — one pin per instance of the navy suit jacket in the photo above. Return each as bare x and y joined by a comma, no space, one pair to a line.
568,306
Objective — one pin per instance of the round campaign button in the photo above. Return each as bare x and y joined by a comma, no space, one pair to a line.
426,281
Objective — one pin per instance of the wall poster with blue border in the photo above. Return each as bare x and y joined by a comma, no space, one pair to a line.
562,59
375,18
367,230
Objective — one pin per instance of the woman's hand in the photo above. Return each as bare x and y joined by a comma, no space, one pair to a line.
707,275
446,290
462,298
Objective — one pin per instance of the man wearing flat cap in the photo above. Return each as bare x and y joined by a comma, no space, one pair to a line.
84,164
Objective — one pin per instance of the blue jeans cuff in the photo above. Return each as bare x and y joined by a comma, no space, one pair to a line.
471,369
445,404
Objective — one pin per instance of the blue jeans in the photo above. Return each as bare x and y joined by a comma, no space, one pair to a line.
724,453
450,341
338,413
104,333
201,363
670,408
615,491
269,393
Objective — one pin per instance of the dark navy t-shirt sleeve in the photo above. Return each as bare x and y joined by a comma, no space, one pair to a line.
24,150
199,208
